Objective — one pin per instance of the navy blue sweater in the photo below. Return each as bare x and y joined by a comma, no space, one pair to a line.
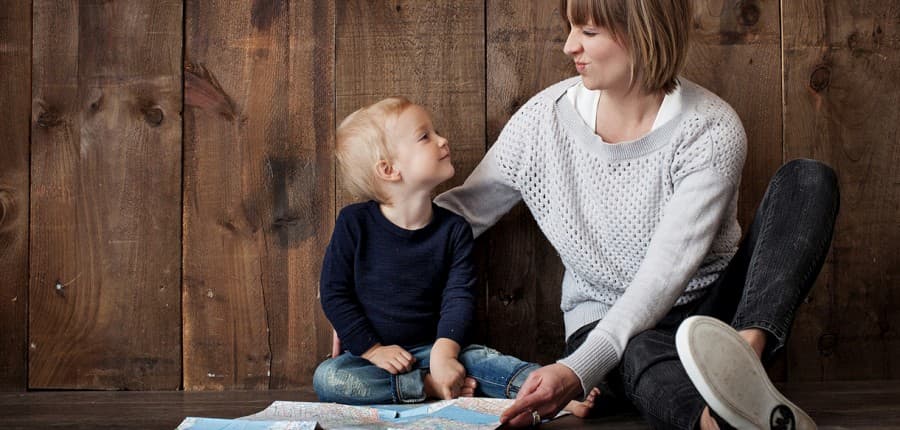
384,284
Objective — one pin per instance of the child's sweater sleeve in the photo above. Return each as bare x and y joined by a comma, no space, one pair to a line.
338,294
458,301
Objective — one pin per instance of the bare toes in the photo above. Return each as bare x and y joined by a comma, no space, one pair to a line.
579,409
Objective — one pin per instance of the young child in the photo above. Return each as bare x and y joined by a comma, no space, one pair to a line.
398,277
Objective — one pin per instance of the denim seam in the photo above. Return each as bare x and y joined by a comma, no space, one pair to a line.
395,381
513,378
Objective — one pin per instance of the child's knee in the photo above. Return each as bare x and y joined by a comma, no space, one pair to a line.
323,379
476,353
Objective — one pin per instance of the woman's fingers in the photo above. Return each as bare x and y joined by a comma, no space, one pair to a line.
525,403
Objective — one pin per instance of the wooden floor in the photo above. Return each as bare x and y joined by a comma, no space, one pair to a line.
852,405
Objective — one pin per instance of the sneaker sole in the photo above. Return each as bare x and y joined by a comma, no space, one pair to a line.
754,405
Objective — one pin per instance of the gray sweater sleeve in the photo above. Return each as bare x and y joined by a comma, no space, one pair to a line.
682,239
492,188
704,187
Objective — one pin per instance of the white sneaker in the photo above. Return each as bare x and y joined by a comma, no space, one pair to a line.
730,377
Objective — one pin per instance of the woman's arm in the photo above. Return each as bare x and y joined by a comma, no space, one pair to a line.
492,190
682,239
706,175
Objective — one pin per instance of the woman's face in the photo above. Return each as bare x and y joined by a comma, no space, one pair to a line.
601,61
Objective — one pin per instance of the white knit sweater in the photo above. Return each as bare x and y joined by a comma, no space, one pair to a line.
640,226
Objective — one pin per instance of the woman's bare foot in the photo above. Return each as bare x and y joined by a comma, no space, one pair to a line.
583,409
707,422
468,388
756,338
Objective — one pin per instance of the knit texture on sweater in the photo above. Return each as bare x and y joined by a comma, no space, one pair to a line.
640,226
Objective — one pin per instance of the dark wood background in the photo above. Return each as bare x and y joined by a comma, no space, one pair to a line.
167,186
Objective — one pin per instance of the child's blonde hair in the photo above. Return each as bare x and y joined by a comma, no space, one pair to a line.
361,142
655,32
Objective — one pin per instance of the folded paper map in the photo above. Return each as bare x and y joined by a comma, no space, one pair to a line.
465,413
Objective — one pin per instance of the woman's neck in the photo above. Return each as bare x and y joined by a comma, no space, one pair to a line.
411,213
626,115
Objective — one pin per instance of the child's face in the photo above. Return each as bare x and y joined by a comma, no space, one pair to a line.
420,155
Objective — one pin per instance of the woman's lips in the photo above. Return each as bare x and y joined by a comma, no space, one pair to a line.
580,66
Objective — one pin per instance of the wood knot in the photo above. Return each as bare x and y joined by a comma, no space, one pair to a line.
749,14
827,343
514,105
6,205
48,118
820,78
153,115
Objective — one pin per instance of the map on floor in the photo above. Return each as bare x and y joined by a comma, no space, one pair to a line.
465,413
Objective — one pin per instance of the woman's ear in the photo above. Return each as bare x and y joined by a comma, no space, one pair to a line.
386,171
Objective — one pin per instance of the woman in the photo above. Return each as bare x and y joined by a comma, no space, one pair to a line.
632,174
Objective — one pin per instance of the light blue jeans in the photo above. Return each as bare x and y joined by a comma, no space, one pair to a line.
353,380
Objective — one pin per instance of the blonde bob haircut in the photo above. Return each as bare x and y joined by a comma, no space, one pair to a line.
361,143
655,33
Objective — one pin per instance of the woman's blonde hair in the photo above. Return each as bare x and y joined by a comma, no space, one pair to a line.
361,143
655,33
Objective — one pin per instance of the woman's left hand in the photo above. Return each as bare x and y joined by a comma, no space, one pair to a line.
546,391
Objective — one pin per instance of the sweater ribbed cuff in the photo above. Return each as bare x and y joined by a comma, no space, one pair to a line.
592,360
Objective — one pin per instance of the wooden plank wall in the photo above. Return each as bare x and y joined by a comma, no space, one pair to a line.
259,191
104,301
842,106
187,252
15,109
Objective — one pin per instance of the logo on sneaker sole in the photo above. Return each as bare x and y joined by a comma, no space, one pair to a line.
782,418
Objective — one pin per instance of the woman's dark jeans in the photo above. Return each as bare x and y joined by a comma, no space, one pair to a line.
770,275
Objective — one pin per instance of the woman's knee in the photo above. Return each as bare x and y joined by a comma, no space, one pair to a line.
810,173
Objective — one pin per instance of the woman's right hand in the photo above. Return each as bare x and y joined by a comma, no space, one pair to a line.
546,391
392,358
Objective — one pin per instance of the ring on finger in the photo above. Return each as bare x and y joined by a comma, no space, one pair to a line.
535,418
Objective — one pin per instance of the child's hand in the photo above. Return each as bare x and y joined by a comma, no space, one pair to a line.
335,344
448,375
392,358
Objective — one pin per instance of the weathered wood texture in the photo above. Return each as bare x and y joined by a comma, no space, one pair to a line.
259,191
842,106
15,109
431,52
104,303
524,45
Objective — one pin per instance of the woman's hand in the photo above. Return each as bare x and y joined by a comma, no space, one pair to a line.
546,391
392,358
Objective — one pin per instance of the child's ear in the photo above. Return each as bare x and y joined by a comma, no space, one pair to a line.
386,171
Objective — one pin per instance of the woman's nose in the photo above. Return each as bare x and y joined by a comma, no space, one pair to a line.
573,45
